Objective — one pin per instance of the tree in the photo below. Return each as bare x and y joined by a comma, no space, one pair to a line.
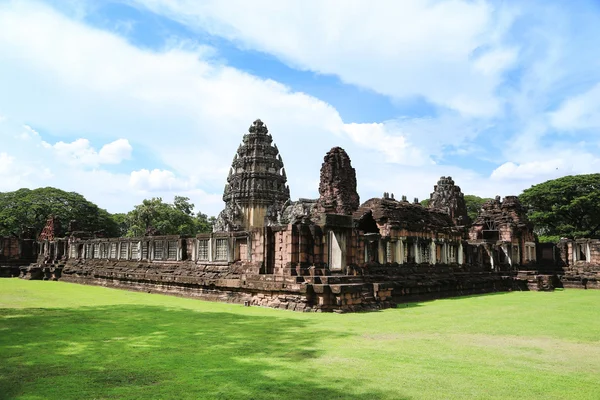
168,219
565,207
120,220
24,210
474,204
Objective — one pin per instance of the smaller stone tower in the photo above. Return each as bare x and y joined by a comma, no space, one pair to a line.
337,187
448,198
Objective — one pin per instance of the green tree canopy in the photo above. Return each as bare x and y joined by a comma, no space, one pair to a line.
177,218
474,204
25,209
565,207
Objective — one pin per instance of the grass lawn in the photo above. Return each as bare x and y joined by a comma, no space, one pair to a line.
67,341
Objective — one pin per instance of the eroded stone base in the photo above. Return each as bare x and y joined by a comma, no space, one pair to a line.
376,287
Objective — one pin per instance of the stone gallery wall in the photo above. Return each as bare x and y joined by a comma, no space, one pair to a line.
15,252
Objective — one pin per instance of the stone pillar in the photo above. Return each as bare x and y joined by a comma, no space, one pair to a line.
491,254
417,252
400,251
432,252
444,252
381,257
506,251
460,255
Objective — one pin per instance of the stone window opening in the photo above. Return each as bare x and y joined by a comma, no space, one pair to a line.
490,230
113,250
104,250
221,250
172,250
135,251
124,251
203,249
144,250
581,252
159,250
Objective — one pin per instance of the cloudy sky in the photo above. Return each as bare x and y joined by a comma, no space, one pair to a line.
126,100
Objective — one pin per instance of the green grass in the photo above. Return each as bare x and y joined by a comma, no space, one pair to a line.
67,341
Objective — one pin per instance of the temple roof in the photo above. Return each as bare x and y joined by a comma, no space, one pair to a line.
404,215
257,174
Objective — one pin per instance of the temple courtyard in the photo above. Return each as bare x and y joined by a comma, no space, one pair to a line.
61,340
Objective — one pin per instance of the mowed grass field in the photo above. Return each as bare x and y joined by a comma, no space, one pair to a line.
68,341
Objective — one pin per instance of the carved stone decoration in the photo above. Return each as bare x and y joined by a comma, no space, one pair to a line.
337,187
256,186
230,219
298,212
448,197
51,230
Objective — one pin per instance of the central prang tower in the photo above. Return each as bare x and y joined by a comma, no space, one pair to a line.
256,186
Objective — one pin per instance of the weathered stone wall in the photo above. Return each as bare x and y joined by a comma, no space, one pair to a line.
14,253
367,288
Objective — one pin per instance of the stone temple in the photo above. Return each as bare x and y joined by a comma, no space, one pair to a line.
332,253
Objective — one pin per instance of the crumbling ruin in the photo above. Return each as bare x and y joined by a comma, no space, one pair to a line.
448,197
325,254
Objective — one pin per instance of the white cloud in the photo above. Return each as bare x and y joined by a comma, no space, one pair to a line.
156,180
449,52
81,152
581,111
394,146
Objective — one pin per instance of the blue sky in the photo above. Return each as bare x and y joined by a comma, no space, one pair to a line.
126,100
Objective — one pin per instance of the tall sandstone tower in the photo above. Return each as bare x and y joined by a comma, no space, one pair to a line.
256,186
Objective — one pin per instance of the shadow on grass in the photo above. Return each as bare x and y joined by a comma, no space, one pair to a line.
154,352
423,301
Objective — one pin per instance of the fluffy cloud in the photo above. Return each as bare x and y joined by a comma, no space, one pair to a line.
156,180
448,52
80,152
394,146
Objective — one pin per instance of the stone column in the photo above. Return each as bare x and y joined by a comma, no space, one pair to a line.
444,252
460,256
400,251
417,252
381,256
432,252
506,251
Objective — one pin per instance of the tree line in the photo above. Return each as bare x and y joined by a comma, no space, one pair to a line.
24,212
565,207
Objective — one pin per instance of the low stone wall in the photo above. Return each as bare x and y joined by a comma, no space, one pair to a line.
378,287
581,276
